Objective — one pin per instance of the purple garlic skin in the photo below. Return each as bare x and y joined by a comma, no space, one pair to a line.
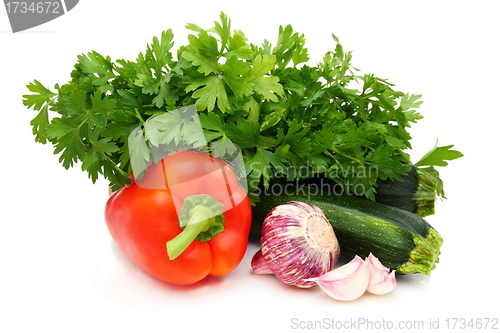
298,242
259,264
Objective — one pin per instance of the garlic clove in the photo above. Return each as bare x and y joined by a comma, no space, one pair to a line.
259,264
381,280
347,282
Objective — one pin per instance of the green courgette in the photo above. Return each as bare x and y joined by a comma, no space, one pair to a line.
416,192
401,240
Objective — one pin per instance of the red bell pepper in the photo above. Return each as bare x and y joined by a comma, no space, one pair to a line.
187,218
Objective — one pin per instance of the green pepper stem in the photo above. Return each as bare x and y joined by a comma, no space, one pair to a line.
204,220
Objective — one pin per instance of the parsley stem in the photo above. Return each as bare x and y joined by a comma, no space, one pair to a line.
138,115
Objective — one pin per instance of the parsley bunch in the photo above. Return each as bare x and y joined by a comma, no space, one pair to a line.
290,119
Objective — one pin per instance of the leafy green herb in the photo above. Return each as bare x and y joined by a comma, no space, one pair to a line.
438,156
290,119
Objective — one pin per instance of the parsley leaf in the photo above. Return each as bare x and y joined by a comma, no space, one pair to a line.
41,101
213,90
222,94
262,164
438,156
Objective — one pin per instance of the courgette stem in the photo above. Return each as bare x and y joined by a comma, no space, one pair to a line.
424,257
426,193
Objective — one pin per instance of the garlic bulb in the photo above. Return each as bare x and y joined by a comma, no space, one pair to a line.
347,282
298,243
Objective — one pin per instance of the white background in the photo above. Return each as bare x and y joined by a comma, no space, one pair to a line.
60,271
